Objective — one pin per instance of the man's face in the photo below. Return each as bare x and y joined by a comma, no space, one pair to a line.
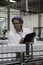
17,25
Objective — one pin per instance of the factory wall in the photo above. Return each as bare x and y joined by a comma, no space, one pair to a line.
42,26
30,21
42,20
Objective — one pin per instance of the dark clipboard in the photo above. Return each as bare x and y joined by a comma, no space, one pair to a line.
28,38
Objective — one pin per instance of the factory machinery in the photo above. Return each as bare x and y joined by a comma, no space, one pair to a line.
30,54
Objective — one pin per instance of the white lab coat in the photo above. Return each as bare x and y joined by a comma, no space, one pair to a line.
14,37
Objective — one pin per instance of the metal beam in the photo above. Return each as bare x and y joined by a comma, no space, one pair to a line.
39,25
8,15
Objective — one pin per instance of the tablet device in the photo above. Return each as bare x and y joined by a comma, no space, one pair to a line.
28,38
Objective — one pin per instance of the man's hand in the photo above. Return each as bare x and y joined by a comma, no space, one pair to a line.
22,39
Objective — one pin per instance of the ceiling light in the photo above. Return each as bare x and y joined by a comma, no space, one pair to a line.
12,1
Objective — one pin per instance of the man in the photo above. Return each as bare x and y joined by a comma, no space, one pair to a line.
17,36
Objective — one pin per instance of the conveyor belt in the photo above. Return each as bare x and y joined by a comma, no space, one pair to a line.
9,62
